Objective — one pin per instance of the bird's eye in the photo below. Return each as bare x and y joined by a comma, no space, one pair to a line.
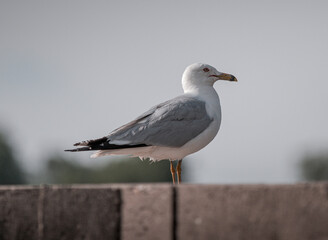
206,70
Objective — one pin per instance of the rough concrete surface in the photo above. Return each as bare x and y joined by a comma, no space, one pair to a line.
74,213
19,213
163,212
231,212
147,212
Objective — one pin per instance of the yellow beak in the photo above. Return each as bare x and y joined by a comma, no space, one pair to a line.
225,76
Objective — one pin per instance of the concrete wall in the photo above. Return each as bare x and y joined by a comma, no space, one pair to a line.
160,211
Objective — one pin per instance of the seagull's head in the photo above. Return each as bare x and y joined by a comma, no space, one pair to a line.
199,74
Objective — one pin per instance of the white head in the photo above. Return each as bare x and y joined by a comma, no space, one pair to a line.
198,75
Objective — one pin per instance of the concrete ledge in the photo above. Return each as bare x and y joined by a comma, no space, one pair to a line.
161,211
253,212
19,213
75,213
147,212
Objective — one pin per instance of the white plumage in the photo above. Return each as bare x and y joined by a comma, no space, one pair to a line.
173,129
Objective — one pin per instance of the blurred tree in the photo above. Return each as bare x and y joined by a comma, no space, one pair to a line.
61,170
315,167
10,171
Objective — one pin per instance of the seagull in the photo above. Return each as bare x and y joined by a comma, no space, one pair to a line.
172,129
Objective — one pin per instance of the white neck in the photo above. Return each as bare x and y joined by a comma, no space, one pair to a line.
209,96
191,85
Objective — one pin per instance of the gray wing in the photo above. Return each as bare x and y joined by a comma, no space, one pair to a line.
172,124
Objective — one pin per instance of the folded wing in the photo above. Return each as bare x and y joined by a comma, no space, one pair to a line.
171,124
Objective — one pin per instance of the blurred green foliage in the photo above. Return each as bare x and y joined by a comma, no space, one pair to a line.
61,170
10,170
314,167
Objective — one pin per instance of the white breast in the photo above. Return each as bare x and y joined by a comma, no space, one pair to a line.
213,109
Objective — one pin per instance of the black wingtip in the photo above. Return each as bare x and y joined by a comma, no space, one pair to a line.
100,144
92,142
70,150
78,149
79,144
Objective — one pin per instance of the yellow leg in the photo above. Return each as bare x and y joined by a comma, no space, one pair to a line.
179,170
172,171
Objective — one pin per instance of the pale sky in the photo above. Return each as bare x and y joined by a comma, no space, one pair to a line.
74,70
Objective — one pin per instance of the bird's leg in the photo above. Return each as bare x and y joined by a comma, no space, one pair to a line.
172,171
179,170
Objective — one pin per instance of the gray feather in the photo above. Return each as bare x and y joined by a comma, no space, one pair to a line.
172,124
